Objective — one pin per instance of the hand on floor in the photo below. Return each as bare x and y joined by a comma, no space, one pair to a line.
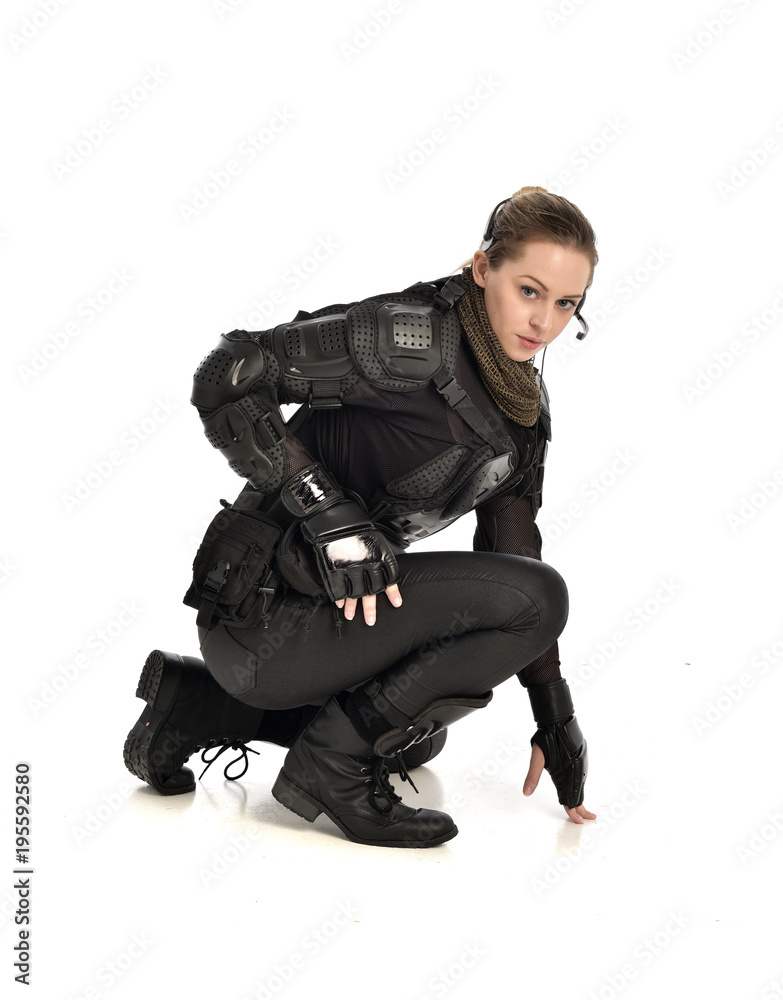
578,814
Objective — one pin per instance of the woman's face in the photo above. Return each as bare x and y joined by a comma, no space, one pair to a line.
531,298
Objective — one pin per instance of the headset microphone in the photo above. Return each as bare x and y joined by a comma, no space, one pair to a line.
585,329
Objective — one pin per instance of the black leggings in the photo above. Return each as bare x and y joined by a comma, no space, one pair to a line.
468,621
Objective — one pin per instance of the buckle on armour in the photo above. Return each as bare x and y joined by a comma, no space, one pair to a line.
451,292
453,392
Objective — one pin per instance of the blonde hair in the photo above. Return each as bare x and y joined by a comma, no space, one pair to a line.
534,215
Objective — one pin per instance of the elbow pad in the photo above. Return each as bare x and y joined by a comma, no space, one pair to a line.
237,421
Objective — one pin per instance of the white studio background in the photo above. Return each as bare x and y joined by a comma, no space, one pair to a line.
173,170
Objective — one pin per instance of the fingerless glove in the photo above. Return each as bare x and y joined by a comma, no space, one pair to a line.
561,739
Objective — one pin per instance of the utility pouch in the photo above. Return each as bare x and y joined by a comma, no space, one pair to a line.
233,579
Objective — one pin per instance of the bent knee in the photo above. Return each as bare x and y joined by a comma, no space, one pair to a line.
550,595
556,595
543,589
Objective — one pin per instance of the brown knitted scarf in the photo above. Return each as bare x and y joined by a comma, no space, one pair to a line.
511,384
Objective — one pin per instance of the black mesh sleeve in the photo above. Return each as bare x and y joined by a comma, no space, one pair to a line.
506,524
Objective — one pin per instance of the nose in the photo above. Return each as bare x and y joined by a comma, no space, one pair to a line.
542,319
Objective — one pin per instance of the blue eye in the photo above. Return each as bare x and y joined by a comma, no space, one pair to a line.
527,288
567,304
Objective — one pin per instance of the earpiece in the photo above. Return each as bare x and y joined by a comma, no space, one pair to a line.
489,238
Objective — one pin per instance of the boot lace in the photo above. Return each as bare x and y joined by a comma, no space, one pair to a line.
404,773
228,744
382,786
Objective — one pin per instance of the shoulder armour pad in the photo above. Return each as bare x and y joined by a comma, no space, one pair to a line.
398,342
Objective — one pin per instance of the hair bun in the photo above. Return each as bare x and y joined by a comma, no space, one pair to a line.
527,190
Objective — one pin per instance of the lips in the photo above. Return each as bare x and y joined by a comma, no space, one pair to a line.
530,342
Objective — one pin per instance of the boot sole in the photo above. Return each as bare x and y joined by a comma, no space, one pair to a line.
300,802
158,686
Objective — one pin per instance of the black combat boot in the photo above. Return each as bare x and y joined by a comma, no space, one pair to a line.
331,769
187,710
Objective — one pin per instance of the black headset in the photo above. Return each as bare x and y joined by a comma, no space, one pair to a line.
489,239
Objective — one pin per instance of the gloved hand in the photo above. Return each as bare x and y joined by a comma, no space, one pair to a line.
561,740
354,558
